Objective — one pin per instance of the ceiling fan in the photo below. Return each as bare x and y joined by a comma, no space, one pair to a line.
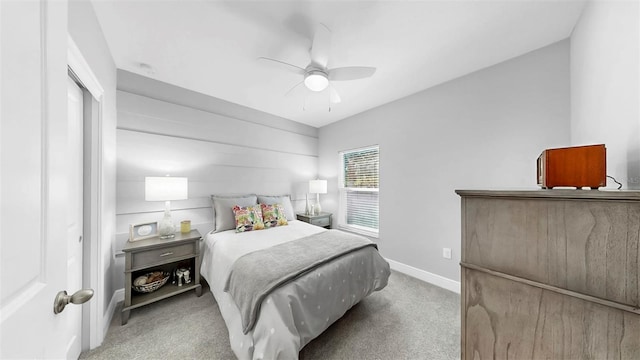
316,75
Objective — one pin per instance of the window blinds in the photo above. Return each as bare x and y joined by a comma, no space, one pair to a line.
362,209
359,189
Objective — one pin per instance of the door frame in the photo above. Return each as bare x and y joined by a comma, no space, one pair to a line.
92,317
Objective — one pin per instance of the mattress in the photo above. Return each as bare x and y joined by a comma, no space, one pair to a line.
298,311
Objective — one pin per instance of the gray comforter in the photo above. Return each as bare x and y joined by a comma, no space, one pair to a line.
256,274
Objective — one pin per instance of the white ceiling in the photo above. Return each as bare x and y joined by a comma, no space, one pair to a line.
212,46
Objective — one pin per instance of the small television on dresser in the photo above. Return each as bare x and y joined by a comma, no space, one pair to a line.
578,166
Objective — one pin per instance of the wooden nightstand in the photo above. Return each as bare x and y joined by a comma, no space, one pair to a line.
152,254
322,220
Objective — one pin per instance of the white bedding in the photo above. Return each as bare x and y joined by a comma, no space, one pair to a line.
299,311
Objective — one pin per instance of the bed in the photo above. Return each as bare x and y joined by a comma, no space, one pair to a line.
299,309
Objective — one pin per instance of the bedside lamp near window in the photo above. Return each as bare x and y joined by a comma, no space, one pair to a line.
166,189
317,187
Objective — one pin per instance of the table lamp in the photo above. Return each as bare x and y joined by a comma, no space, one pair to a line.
317,187
165,189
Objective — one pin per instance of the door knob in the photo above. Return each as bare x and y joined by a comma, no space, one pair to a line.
79,297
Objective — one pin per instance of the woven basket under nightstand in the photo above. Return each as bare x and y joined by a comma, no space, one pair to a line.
151,287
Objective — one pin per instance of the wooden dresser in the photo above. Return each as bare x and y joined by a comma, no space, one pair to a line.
550,274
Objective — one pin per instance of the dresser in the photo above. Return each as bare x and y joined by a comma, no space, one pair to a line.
550,274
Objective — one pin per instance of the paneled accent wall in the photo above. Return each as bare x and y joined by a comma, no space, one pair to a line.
218,153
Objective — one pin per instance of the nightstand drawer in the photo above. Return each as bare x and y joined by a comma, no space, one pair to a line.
148,258
323,221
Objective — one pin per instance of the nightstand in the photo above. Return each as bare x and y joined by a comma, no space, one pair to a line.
144,256
322,219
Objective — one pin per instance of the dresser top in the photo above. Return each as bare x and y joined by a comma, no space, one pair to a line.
629,195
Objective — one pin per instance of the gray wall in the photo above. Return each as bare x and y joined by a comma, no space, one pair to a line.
483,130
221,147
605,81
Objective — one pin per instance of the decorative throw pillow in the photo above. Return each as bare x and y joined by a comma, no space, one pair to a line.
273,215
248,218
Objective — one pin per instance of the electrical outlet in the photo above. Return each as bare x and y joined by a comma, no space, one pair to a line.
446,253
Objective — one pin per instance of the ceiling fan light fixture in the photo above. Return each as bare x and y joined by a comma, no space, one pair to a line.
316,80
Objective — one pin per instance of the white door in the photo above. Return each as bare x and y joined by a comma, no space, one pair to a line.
34,180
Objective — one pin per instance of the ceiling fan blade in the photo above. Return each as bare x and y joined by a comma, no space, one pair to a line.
296,69
351,73
290,91
334,98
321,46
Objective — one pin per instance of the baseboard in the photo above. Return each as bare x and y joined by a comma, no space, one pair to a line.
117,297
426,276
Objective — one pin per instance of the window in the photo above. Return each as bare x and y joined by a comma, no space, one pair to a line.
359,184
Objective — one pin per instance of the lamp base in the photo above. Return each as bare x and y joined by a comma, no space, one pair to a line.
166,228
318,208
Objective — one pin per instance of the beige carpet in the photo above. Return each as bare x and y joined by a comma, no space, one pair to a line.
409,319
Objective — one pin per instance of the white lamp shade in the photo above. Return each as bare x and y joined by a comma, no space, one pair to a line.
165,188
318,186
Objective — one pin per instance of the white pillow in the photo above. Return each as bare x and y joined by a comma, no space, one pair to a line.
223,217
285,200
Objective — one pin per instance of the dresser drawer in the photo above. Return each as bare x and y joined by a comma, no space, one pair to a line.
157,256
324,221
